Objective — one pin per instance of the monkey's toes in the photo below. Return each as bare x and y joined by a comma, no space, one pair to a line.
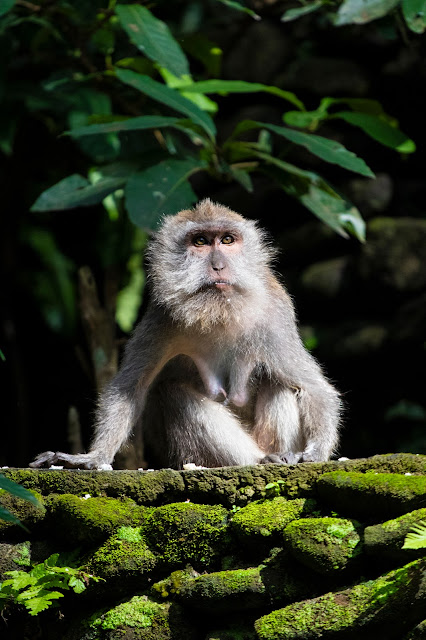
282,458
45,459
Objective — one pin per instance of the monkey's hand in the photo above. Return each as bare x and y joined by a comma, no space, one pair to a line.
79,461
282,458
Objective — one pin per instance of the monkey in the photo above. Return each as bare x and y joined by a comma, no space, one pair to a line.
216,368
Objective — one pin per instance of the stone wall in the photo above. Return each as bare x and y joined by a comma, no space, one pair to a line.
240,553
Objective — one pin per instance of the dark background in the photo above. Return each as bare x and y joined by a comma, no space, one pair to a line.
361,308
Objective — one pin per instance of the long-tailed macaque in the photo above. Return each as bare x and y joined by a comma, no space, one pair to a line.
216,369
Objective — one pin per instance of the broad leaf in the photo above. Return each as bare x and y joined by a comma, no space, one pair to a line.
243,177
416,538
240,86
239,7
298,12
319,197
76,191
18,490
152,37
362,11
414,12
161,189
129,124
5,6
328,150
169,97
379,129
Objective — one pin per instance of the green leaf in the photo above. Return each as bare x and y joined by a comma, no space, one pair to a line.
298,12
242,177
130,124
19,580
240,86
76,191
379,129
42,602
169,97
161,189
414,12
5,6
319,197
416,538
239,7
328,150
362,11
77,584
199,99
152,37
18,490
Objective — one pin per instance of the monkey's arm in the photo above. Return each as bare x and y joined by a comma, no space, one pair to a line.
121,403
303,407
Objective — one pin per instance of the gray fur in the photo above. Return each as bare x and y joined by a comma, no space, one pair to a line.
216,369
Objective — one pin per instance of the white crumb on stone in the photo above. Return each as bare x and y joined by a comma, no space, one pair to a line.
408,474
53,466
87,496
343,459
104,467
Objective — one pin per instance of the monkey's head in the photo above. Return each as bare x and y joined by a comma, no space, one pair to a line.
206,264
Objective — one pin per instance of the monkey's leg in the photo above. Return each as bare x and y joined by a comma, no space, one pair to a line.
196,429
277,425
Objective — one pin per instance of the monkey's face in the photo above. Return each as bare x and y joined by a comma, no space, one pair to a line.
207,264
215,255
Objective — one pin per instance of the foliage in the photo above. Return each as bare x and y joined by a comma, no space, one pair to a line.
37,589
416,538
273,489
148,126
413,12
20,492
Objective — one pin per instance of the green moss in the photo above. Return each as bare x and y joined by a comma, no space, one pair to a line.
124,555
29,515
365,604
386,539
84,521
268,518
139,612
323,544
185,532
390,494
226,591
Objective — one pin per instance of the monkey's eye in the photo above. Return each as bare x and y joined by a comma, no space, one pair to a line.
227,240
199,241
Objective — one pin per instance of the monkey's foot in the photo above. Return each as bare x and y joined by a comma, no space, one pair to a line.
79,461
282,458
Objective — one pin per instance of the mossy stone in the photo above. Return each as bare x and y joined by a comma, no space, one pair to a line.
28,514
384,608
184,533
87,521
323,544
225,591
140,618
386,539
371,495
125,555
263,521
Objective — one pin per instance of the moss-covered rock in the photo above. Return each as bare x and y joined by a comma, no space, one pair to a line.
382,608
124,558
418,633
187,533
373,495
224,591
28,514
323,544
261,522
14,557
386,539
139,618
232,632
87,521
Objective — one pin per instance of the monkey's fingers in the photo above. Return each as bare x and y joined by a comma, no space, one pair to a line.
45,459
282,458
